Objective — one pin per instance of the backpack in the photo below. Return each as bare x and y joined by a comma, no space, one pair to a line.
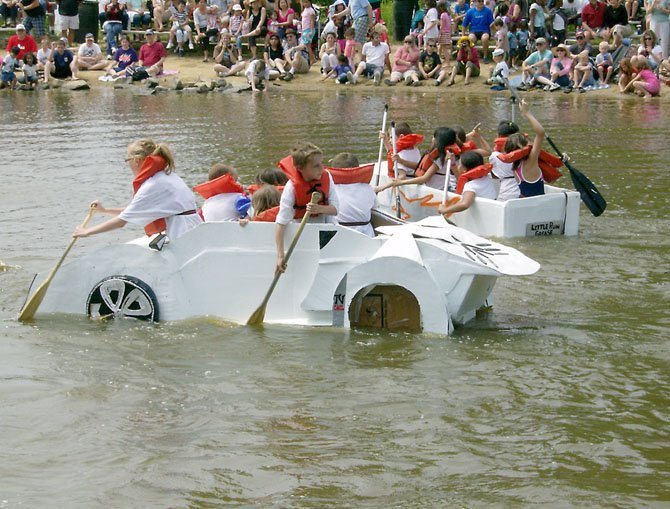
137,73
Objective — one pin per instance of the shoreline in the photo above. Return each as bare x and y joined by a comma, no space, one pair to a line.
191,69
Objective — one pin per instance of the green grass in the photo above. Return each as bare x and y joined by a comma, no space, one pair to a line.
387,16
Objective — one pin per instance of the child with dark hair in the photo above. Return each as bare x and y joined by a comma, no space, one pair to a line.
473,180
509,189
30,70
9,67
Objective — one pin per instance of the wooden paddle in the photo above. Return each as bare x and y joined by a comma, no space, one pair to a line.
587,190
258,316
398,212
34,301
381,145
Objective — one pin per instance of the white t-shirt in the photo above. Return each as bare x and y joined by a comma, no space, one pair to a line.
251,71
221,207
376,55
286,210
501,70
509,189
430,16
89,51
356,205
163,196
437,180
409,154
43,56
483,187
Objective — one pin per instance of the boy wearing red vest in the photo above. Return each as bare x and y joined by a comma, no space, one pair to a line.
309,176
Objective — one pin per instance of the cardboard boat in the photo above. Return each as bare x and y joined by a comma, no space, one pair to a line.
409,276
555,213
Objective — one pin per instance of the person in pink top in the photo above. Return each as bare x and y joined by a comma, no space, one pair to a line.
561,66
405,64
308,23
285,17
646,83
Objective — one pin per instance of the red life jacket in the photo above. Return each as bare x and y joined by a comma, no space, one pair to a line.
302,189
432,157
403,143
499,144
269,215
151,165
474,173
356,175
548,163
252,188
468,146
220,185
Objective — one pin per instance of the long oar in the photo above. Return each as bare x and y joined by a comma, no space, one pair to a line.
587,190
381,145
258,316
395,171
31,305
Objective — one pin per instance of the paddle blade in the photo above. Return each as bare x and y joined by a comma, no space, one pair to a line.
588,191
31,305
258,317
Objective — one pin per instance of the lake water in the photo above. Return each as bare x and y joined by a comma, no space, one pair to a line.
559,396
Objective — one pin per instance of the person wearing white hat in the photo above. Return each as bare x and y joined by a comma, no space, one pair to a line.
89,57
500,72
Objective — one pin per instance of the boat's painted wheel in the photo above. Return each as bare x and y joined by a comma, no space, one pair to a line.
124,296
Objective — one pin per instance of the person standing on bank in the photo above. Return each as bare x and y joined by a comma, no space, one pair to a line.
402,17
68,16
34,18
361,13
161,200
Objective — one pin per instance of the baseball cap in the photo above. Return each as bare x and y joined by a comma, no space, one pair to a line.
89,36
237,7
540,40
149,32
20,26
579,33
498,52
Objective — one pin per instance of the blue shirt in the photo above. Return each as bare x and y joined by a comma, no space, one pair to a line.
125,57
359,8
342,69
64,60
478,21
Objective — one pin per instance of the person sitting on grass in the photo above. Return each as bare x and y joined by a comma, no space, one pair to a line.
296,55
29,69
124,57
430,65
473,181
561,68
274,57
328,53
375,56
604,63
467,61
257,75
152,54
341,71
405,62
500,72
536,66
226,61
626,74
89,56
583,72
60,64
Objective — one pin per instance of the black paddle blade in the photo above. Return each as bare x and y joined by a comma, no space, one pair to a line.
587,191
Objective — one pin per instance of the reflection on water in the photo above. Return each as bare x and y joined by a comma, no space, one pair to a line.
559,396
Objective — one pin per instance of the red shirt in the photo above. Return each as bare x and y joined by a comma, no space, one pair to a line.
27,45
150,54
594,15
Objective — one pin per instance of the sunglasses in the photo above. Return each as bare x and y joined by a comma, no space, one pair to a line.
648,38
407,42
580,37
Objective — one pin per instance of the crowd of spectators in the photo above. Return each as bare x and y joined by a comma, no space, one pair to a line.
354,39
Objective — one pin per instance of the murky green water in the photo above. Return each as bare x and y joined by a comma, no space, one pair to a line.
560,396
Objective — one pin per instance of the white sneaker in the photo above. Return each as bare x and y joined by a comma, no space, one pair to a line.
354,79
377,78
408,81
554,87
190,45
170,45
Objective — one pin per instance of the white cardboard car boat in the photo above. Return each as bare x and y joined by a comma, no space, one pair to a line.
409,276
555,213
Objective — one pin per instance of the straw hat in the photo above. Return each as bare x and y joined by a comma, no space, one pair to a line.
465,38
563,47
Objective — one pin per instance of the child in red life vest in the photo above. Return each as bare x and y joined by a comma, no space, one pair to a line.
220,193
474,180
265,205
356,197
408,156
306,176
